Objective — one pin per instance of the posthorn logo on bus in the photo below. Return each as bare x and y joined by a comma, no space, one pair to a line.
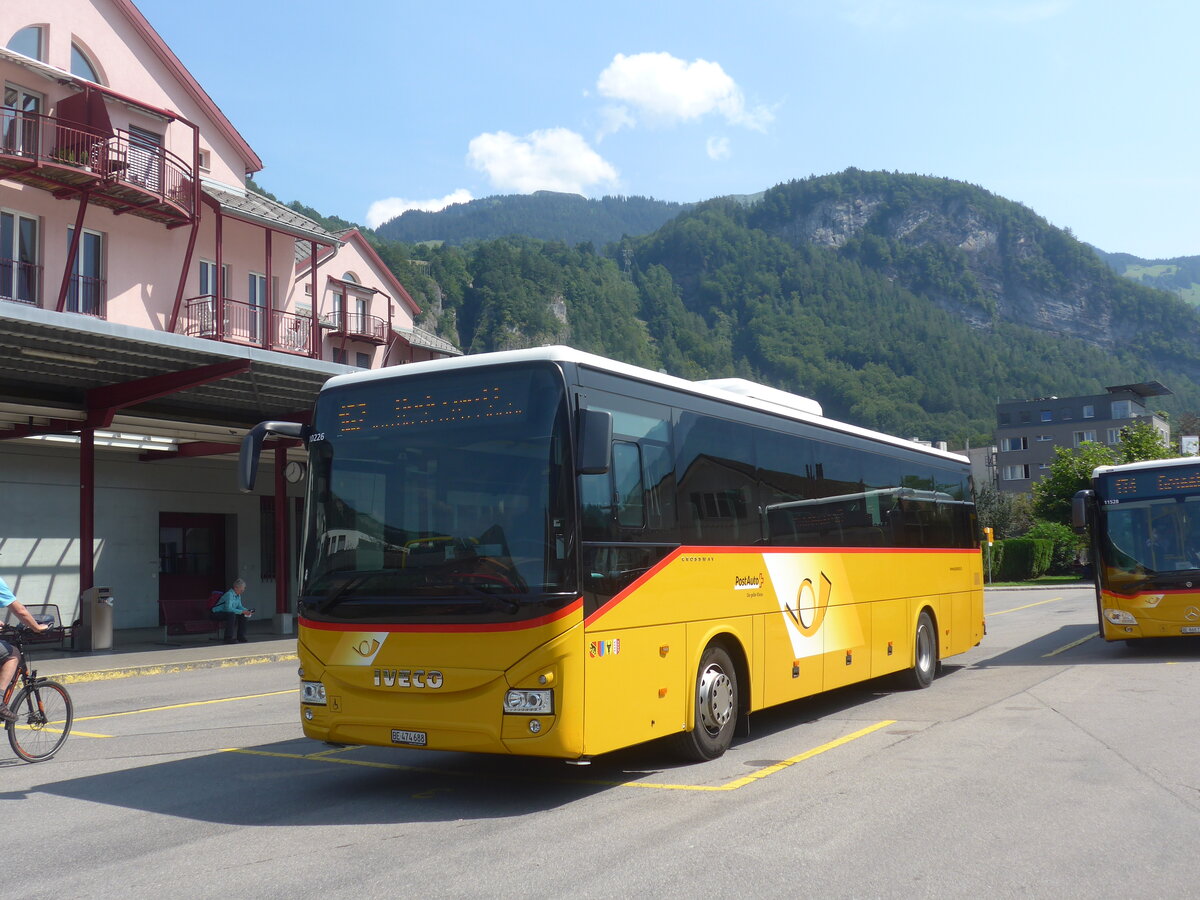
747,582
402,678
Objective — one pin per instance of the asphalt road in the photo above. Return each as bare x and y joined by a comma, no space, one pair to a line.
1043,763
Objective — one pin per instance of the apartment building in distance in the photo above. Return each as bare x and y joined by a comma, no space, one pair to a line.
1027,431
152,309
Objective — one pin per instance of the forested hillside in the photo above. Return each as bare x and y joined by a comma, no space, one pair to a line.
545,215
1180,275
902,303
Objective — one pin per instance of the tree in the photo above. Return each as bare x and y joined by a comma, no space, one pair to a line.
1140,441
1009,515
1070,471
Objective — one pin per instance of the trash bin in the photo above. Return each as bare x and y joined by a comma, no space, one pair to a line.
95,619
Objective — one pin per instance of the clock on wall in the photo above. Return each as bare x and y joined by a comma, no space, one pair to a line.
294,471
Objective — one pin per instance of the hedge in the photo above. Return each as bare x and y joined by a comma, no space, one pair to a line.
1022,559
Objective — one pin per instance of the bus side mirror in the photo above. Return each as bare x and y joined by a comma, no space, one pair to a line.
1080,504
595,439
252,448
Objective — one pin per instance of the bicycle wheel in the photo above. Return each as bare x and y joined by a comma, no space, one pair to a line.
44,715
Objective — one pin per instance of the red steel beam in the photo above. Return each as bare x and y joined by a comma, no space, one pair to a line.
103,402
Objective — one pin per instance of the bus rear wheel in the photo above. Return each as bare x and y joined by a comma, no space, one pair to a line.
925,653
716,707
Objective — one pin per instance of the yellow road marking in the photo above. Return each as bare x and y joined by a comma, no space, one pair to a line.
135,712
322,756
1082,640
1026,606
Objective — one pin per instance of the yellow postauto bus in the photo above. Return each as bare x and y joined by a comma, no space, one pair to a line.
547,553
1145,538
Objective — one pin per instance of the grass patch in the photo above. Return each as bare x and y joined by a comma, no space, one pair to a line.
1044,581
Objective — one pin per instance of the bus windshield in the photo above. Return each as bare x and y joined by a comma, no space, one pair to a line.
439,498
1149,523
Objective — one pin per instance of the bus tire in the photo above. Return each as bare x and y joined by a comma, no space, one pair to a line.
715,704
925,653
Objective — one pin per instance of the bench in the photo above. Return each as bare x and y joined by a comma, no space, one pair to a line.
46,614
187,615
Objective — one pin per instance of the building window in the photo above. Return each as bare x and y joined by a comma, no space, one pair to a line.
28,42
81,66
1046,416
1014,443
1015,473
363,360
205,161
1081,436
1114,435
1003,418
20,275
87,291
20,121
1043,438
1125,409
1089,411
1024,416
339,355
1065,414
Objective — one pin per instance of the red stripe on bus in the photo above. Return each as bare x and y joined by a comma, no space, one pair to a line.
523,625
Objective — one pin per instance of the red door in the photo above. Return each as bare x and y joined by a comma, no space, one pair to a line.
191,554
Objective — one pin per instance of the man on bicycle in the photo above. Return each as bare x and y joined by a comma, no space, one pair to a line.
8,653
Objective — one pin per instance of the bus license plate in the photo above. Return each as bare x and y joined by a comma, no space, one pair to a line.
1190,629
416,738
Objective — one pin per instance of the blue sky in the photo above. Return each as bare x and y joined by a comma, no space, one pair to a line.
1083,110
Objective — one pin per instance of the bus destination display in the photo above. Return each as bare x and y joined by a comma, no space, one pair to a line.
1162,482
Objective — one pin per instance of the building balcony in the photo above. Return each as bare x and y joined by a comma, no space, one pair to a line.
238,322
119,171
22,283
357,327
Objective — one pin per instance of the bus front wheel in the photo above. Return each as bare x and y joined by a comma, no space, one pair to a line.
925,653
716,706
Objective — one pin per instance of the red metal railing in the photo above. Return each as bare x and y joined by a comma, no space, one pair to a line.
244,323
87,296
20,281
360,326
121,158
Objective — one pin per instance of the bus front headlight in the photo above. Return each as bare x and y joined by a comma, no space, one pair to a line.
529,702
1119,617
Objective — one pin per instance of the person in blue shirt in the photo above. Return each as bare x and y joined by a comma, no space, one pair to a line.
229,609
8,653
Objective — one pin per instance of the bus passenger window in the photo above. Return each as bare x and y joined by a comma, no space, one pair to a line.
627,485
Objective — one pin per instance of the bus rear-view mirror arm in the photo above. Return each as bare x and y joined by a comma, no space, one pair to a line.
595,439
252,448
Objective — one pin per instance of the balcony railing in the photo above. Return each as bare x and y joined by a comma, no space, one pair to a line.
87,296
245,323
120,171
357,326
20,281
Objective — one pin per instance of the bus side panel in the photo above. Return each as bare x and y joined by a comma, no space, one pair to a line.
635,685
890,636
846,635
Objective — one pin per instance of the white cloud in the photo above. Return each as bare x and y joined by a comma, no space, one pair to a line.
553,159
718,148
385,210
664,89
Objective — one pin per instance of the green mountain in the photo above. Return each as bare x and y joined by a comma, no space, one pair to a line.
903,303
1180,276
545,215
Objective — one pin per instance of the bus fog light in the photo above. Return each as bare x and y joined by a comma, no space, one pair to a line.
1119,617
312,692
529,702
534,726
308,714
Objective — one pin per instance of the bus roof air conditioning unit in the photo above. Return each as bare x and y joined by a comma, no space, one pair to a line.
761,392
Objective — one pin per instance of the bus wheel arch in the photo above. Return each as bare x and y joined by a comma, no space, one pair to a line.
717,700
926,659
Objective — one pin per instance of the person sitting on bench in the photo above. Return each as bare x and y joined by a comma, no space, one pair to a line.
229,609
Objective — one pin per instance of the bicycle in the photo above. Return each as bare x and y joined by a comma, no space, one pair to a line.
43,707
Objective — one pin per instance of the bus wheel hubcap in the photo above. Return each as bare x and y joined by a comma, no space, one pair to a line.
716,699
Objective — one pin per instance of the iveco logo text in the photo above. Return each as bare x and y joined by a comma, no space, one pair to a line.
417,678
747,582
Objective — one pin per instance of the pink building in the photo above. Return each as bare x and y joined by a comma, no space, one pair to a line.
151,309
